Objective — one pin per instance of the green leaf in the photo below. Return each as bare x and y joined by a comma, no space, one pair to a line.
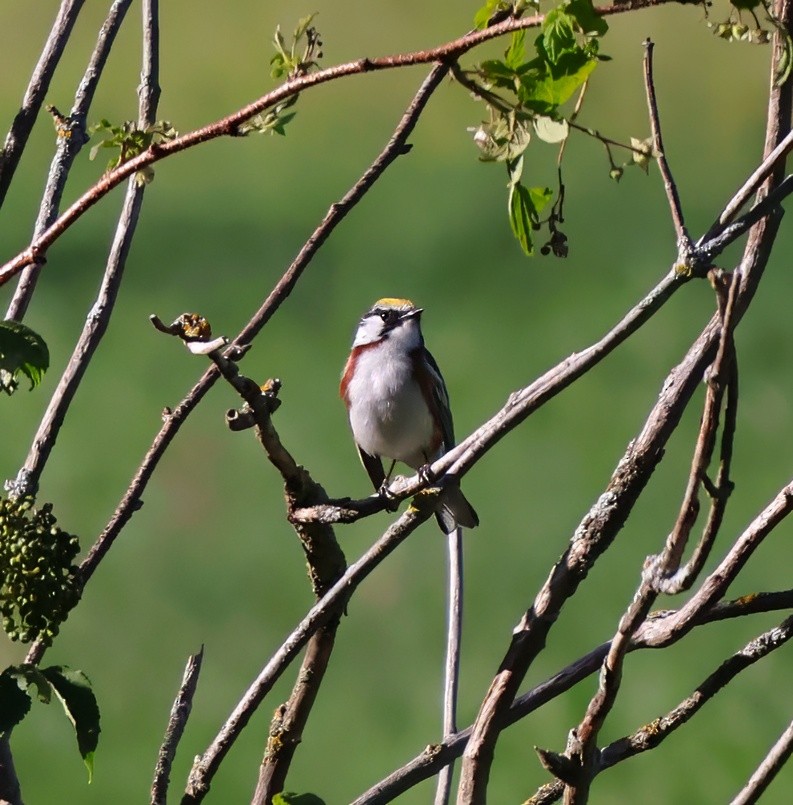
583,12
21,350
558,34
302,25
516,52
74,691
29,675
545,91
14,702
483,15
525,205
290,798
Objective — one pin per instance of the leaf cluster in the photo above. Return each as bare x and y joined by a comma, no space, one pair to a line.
39,582
22,351
301,55
130,140
71,687
524,96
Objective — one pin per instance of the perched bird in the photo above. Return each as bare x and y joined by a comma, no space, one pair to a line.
398,404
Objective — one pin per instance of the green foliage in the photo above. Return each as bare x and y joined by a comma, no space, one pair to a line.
736,29
271,122
39,584
525,205
289,61
292,61
524,96
290,798
21,350
130,141
494,11
71,687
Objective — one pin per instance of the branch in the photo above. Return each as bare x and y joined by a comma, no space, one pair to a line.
17,137
207,764
229,126
180,712
685,248
433,758
454,630
600,526
97,321
325,559
174,418
71,137
653,734
776,758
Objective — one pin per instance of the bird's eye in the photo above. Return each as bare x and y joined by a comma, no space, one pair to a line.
384,315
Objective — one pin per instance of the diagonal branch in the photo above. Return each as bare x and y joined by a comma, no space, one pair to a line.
433,758
207,764
17,137
229,125
180,712
777,756
652,735
71,138
684,246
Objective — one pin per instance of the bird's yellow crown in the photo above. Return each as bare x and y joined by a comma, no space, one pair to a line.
391,301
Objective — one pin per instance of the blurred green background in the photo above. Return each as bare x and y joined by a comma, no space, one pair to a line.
209,559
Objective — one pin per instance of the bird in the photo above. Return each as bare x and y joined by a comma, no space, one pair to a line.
397,403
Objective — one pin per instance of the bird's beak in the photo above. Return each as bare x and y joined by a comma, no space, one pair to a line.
412,313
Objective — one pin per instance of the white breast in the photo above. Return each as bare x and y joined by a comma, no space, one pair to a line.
388,414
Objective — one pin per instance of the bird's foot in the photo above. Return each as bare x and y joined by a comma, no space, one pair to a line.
391,501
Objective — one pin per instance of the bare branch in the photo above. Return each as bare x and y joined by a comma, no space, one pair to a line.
454,630
17,137
776,758
93,331
229,126
684,246
177,722
71,138
433,758
328,607
653,734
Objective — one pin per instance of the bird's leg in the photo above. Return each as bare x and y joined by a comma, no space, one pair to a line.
392,504
425,473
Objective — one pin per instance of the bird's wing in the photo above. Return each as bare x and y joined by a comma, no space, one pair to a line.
440,399
374,467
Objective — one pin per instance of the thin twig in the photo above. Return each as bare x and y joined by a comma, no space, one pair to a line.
229,125
207,764
769,165
454,631
722,376
653,734
325,562
433,758
72,136
17,137
175,418
684,245
98,317
177,721
763,776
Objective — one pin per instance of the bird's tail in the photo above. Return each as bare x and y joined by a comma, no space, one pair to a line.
454,510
